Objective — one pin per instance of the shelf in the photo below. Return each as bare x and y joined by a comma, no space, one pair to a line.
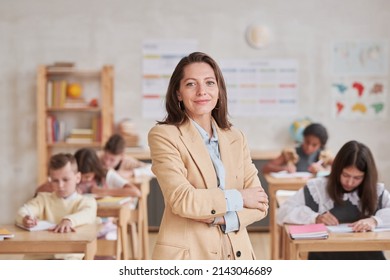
74,109
74,145
57,123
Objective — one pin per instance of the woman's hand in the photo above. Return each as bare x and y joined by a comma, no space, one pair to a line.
327,218
255,198
362,225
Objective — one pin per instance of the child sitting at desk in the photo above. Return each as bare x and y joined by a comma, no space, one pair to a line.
113,156
351,194
310,156
97,180
64,206
100,181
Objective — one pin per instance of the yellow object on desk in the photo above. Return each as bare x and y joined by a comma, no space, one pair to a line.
5,233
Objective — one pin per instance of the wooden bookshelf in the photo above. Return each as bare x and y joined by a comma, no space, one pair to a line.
56,120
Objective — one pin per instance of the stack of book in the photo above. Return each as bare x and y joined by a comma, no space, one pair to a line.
310,231
78,102
81,136
5,234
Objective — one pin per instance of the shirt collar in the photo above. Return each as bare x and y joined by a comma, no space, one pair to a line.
205,136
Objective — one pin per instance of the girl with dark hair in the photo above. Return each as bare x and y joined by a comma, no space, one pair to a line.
351,194
310,156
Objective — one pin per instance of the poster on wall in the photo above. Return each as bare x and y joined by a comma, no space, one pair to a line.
160,58
359,98
359,86
261,87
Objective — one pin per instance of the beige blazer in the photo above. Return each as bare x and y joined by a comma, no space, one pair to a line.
188,181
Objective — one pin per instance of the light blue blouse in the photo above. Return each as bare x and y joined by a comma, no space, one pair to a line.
233,197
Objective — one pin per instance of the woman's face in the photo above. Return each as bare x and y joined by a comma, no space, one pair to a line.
198,90
351,178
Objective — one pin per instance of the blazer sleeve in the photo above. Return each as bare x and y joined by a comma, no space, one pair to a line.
172,166
248,216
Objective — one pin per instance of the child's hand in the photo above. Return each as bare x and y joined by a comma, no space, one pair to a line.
362,225
327,218
64,226
316,167
29,221
290,167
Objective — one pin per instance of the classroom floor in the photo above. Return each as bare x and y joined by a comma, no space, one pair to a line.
260,242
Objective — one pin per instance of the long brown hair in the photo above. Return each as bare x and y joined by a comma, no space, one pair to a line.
175,110
88,162
358,155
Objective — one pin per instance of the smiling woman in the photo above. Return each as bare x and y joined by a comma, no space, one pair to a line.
203,166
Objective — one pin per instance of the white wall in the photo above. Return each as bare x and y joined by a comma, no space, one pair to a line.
93,33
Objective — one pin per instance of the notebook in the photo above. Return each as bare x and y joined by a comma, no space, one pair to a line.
310,231
285,174
347,228
41,225
115,200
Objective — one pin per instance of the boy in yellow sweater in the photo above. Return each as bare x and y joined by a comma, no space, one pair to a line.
64,207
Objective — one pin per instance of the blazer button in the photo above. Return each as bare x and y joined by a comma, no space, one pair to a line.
213,212
238,254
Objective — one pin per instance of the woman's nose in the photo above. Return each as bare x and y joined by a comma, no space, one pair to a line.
201,90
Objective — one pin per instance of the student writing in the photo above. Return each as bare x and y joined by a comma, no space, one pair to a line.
351,194
310,156
64,206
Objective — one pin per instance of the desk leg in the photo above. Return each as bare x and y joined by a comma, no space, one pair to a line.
293,252
124,217
90,250
273,226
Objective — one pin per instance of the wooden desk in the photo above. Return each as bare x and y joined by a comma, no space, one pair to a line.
275,184
47,242
128,214
122,213
336,242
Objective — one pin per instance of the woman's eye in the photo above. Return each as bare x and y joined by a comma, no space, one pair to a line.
190,84
210,83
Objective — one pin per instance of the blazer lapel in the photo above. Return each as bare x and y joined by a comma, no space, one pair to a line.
227,149
195,146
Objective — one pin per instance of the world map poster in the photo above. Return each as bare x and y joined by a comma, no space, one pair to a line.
360,80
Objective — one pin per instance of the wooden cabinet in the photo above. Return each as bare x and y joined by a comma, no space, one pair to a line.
74,110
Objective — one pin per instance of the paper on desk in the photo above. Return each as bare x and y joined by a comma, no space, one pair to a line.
346,228
41,225
285,174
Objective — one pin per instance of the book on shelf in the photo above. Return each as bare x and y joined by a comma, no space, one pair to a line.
41,225
80,136
115,200
56,93
72,140
5,234
55,129
309,231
